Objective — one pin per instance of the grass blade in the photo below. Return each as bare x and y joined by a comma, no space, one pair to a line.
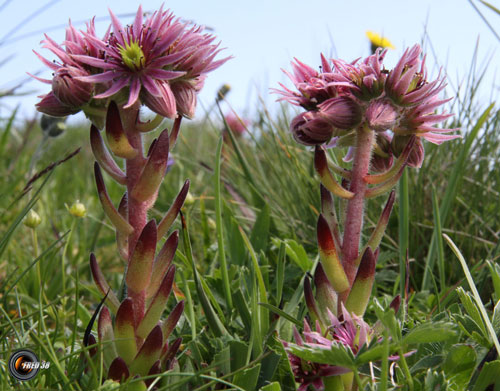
451,191
479,302
220,234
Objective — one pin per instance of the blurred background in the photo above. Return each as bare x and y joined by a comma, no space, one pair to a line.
264,36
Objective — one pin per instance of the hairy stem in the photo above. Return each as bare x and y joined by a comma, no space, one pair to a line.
355,206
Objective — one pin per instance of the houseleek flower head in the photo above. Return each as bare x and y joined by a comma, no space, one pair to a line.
348,330
362,93
157,61
68,95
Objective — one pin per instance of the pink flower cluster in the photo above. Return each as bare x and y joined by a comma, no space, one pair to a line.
158,61
350,331
344,96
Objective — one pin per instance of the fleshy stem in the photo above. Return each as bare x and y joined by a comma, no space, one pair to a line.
137,210
355,206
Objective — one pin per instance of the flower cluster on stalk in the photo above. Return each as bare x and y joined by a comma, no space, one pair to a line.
158,61
348,330
395,103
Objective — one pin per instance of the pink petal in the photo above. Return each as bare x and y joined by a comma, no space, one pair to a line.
135,89
117,86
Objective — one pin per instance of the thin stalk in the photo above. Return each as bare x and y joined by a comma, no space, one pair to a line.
406,370
355,206
404,228
220,235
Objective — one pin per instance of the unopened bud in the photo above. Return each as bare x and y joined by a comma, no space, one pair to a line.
189,199
70,91
185,98
78,209
221,94
381,116
342,112
32,219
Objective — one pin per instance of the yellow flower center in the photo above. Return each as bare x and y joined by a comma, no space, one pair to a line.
132,55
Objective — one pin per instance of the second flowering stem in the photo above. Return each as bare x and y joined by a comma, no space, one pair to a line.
355,206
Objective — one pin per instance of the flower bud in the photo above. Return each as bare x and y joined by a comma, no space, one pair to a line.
78,209
310,128
380,115
382,158
32,219
164,104
52,126
185,98
70,91
50,105
223,91
342,112
189,199
417,153
416,157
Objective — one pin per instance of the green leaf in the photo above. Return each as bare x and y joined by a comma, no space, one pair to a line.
212,319
284,373
260,232
471,310
281,313
234,241
488,376
338,355
495,278
275,386
461,358
241,306
430,332
479,303
296,253
239,353
248,378
269,365
220,229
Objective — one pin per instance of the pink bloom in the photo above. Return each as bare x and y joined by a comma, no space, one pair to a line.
68,93
365,80
361,93
313,88
342,112
350,331
419,119
309,373
148,56
237,125
310,128
381,115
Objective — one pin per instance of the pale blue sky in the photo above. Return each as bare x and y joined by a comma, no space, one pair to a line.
264,35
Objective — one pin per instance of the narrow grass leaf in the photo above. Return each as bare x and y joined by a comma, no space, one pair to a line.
470,280
220,233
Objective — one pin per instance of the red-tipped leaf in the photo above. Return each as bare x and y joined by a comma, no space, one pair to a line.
103,156
141,261
117,220
115,134
162,263
173,211
157,305
154,170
